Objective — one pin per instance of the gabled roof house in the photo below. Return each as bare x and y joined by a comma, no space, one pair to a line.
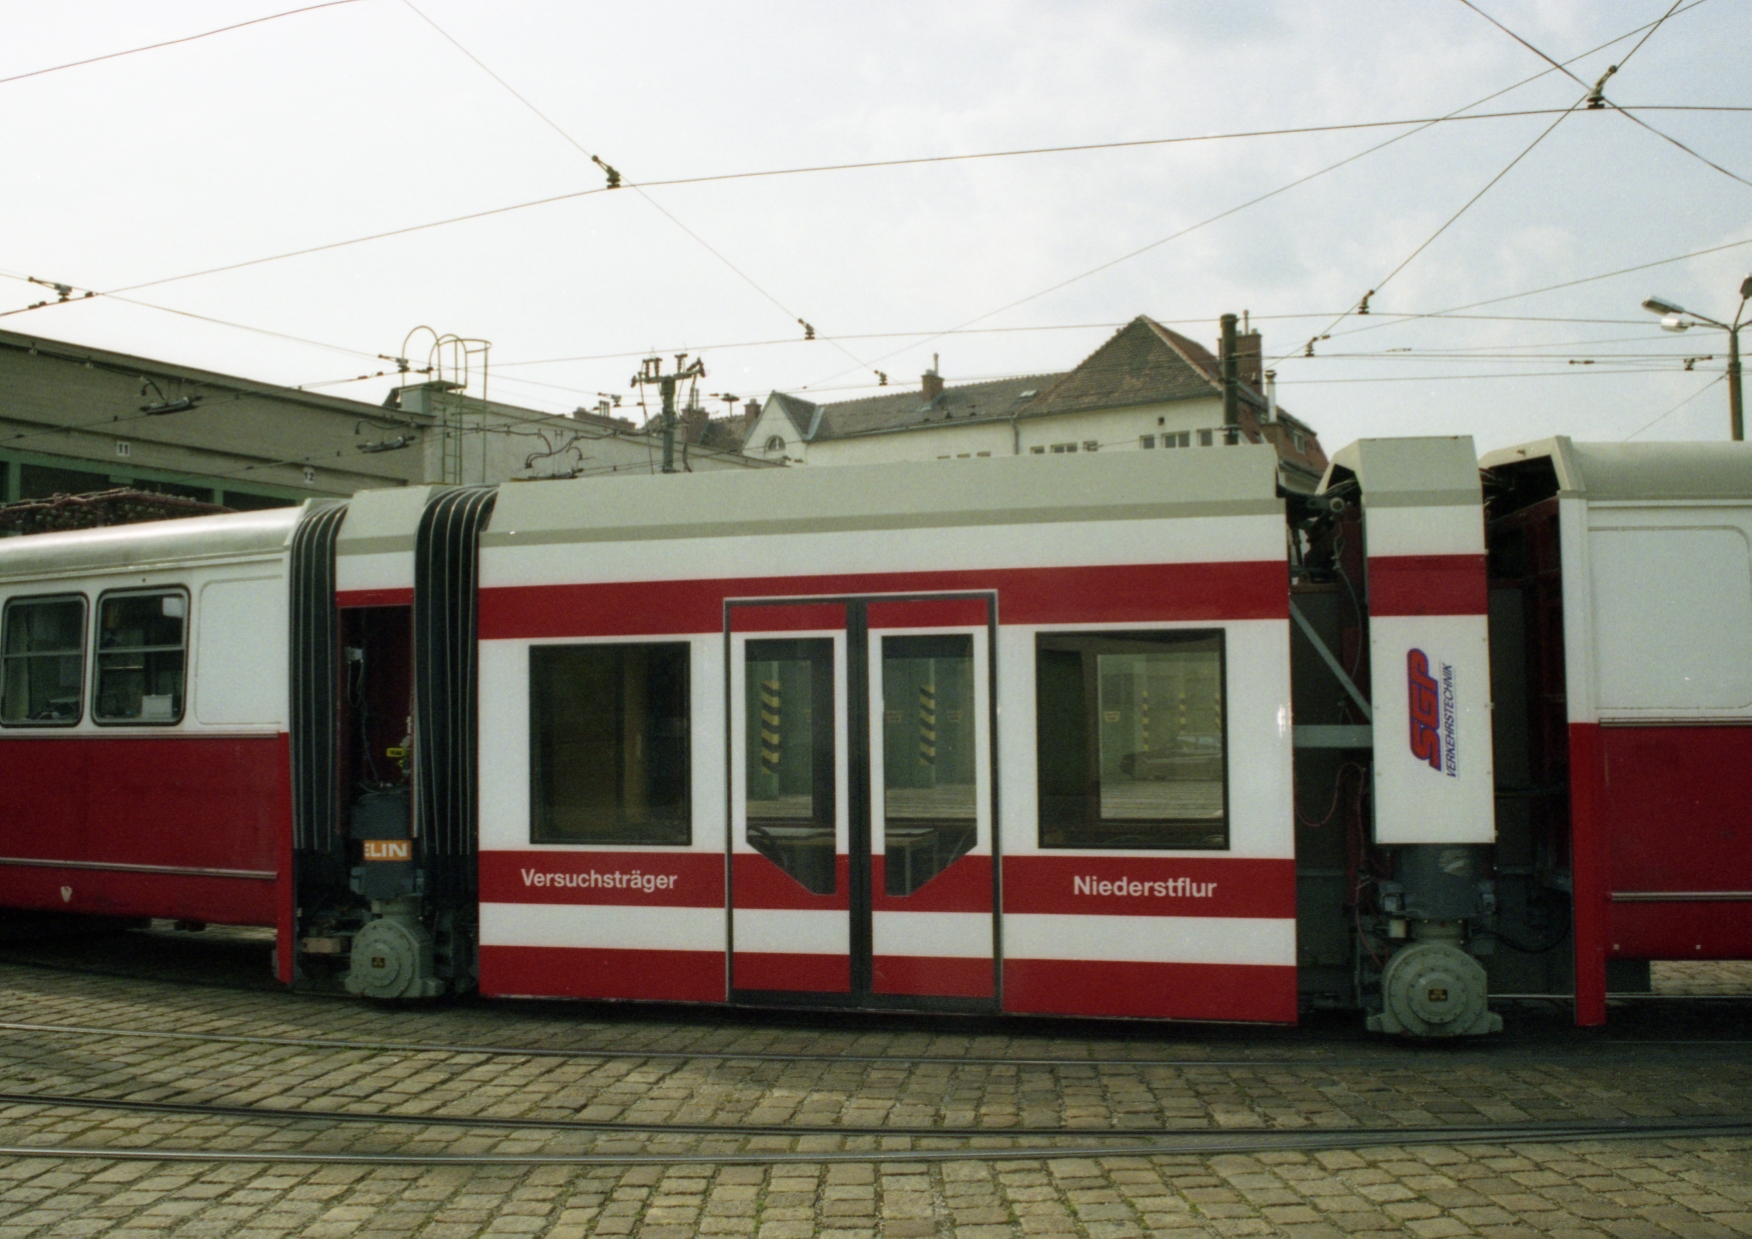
1146,388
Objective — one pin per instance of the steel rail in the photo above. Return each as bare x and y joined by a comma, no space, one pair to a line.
1181,1145
1421,1055
596,1126
60,1101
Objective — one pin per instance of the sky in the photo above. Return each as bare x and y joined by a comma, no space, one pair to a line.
136,176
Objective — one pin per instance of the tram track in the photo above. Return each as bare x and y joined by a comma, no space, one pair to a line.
1420,1057
664,1128
1133,1142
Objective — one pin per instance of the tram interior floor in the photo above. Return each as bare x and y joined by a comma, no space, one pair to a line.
245,1044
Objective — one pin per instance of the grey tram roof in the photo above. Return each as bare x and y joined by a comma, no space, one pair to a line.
1233,481
148,546
1607,472
1413,472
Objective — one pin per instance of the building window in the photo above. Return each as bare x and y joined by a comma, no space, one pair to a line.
1301,444
977,454
141,644
1064,447
1130,740
1090,445
1183,439
1204,438
1148,440
609,744
775,445
43,666
1038,451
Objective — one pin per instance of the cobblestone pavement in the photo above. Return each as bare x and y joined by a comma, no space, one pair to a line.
663,1066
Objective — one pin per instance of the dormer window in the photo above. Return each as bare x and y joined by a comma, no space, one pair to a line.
775,446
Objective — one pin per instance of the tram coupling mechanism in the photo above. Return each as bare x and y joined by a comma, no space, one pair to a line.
1434,986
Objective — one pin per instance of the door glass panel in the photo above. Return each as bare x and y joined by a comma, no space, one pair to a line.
929,794
790,774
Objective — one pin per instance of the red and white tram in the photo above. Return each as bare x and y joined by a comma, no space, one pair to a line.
1126,735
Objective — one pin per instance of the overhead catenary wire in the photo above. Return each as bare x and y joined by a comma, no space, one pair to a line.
925,332
574,195
1456,311
1650,424
205,318
615,180
328,456
363,353
1362,306
152,47
1599,101
1647,27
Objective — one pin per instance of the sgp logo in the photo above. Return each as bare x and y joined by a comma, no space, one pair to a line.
1426,709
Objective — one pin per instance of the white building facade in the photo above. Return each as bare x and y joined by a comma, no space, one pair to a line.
1147,389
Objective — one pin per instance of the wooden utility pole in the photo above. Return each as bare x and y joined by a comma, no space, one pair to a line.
652,372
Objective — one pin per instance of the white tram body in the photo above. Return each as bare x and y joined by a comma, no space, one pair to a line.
1046,736
852,593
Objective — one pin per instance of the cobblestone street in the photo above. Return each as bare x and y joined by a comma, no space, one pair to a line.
659,1122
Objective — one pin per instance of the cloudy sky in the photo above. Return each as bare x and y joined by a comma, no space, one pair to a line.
374,116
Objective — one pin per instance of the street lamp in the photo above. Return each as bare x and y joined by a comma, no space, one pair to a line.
1678,318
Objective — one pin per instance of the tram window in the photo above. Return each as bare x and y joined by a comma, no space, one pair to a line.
929,793
790,772
609,744
43,662
141,648
1131,742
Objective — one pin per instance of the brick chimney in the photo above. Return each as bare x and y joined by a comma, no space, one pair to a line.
751,410
693,424
931,381
1250,360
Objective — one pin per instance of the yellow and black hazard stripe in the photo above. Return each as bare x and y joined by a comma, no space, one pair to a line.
772,714
927,725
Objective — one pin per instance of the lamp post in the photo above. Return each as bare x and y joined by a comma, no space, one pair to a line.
1678,318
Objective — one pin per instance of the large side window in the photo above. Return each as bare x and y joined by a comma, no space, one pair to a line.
42,666
141,656
1132,748
609,744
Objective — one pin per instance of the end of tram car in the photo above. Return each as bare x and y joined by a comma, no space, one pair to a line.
1119,736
